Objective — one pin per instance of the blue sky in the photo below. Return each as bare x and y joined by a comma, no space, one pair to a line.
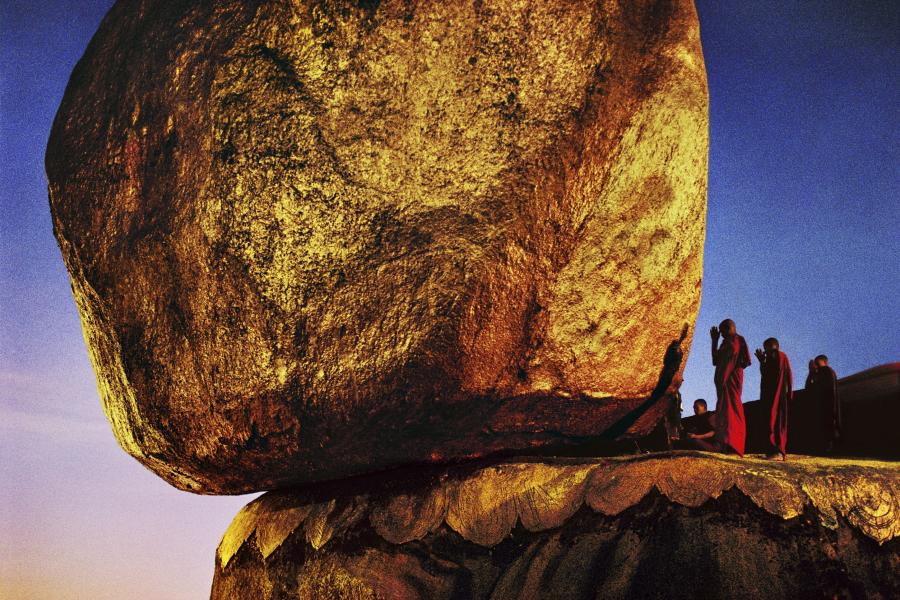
804,183
802,244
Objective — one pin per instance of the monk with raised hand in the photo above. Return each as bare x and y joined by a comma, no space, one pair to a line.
811,376
776,392
730,359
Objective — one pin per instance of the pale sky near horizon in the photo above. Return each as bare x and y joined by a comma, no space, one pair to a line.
802,244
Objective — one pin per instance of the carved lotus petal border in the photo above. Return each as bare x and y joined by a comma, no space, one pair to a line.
485,506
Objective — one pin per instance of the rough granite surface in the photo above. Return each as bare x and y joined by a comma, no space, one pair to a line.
313,239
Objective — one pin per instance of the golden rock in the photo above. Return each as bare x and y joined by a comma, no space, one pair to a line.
313,239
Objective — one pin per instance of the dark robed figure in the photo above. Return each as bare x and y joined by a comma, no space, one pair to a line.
822,382
776,392
730,359
703,429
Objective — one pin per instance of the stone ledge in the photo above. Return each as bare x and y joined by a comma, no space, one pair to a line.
484,505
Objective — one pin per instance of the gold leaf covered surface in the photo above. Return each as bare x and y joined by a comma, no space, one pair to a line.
484,506
314,239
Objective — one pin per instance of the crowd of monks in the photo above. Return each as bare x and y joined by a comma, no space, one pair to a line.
726,430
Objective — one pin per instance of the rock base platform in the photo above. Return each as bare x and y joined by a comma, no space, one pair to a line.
667,525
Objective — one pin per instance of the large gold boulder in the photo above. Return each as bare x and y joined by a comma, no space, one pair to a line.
312,239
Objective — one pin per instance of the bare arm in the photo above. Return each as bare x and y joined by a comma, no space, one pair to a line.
714,335
761,358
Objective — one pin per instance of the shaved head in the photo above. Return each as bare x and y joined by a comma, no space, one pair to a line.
727,327
771,344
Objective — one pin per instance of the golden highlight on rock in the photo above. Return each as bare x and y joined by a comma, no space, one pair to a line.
313,239
582,529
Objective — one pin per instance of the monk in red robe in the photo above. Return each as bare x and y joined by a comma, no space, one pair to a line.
730,359
776,392
703,430
822,382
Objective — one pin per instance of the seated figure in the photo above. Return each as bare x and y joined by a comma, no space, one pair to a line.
702,434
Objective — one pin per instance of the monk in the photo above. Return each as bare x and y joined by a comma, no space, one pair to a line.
702,434
822,382
730,360
776,392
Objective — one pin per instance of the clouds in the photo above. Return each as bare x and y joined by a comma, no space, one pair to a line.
61,428
50,406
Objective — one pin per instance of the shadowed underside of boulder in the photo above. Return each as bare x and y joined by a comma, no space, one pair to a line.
686,525
313,239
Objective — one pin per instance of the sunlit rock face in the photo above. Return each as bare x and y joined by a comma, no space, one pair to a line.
691,525
313,239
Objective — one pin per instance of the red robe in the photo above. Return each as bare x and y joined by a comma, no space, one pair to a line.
776,391
730,360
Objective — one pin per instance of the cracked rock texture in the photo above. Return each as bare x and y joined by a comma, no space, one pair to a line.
681,525
314,239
